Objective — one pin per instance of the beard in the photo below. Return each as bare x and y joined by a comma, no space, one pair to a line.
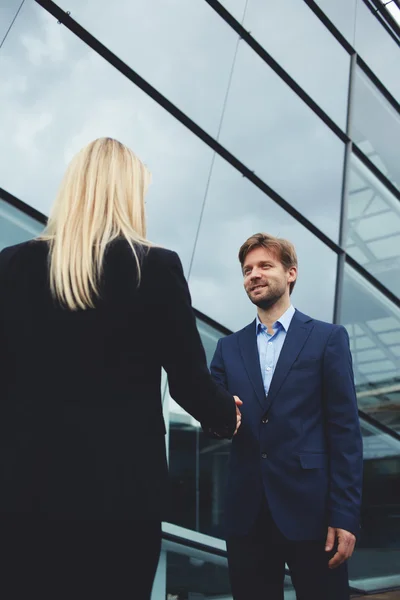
272,294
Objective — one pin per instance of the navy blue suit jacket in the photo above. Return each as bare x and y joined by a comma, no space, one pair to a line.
300,446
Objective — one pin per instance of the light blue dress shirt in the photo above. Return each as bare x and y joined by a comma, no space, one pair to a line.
270,346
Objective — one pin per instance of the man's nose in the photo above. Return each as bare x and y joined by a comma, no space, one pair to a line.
255,275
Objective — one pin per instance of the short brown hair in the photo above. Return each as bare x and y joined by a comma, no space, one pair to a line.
283,249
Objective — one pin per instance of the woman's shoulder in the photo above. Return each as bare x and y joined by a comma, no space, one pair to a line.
10,253
151,255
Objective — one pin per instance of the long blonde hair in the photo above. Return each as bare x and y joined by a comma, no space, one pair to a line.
100,199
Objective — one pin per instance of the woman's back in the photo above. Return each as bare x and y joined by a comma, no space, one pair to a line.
81,409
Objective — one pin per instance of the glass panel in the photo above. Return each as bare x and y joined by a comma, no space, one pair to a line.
8,10
320,64
182,48
373,323
373,226
197,464
235,209
378,49
375,564
199,575
59,96
342,13
15,226
277,135
375,127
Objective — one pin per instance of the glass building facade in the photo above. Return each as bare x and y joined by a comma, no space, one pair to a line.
252,116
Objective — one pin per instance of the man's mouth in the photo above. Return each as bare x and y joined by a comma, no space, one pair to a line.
257,287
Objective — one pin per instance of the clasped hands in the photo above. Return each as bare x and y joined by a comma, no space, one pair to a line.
238,403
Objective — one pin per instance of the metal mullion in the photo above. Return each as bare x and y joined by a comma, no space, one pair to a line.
317,10
22,206
275,66
386,21
343,222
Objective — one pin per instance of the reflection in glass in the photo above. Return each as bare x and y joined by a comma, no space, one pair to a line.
198,574
59,96
320,65
373,324
235,209
182,48
375,564
278,136
197,464
373,226
377,48
15,226
375,127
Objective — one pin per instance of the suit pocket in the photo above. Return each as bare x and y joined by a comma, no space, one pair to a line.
306,363
313,461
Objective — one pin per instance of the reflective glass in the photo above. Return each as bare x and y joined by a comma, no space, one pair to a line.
373,323
197,464
59,96
375,563
306,49
8,10
199,575
375,127
235,209
378,49
373,226
15,226
182,48
342,13
278,136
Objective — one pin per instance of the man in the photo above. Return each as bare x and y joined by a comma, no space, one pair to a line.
295,474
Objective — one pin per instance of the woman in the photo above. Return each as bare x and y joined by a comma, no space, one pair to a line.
89,313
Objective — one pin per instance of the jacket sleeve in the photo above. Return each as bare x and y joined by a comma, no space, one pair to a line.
184,359
217,367
344,435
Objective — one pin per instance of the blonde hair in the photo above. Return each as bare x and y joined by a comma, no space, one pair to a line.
283,249
101,198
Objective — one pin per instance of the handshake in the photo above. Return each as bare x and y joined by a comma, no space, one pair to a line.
238,403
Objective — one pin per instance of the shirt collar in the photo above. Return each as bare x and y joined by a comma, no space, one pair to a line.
284,321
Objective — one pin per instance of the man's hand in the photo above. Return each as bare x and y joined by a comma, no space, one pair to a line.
346,543
238,403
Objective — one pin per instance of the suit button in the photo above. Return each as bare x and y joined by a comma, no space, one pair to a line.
263,455
264,420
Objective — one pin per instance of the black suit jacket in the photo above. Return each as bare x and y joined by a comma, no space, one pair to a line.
81,424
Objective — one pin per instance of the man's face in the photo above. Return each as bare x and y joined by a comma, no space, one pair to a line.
265,279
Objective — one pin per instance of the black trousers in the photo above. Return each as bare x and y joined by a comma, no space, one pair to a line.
83,560
257,565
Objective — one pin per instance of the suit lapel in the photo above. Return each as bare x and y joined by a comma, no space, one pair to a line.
251,359
298,332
